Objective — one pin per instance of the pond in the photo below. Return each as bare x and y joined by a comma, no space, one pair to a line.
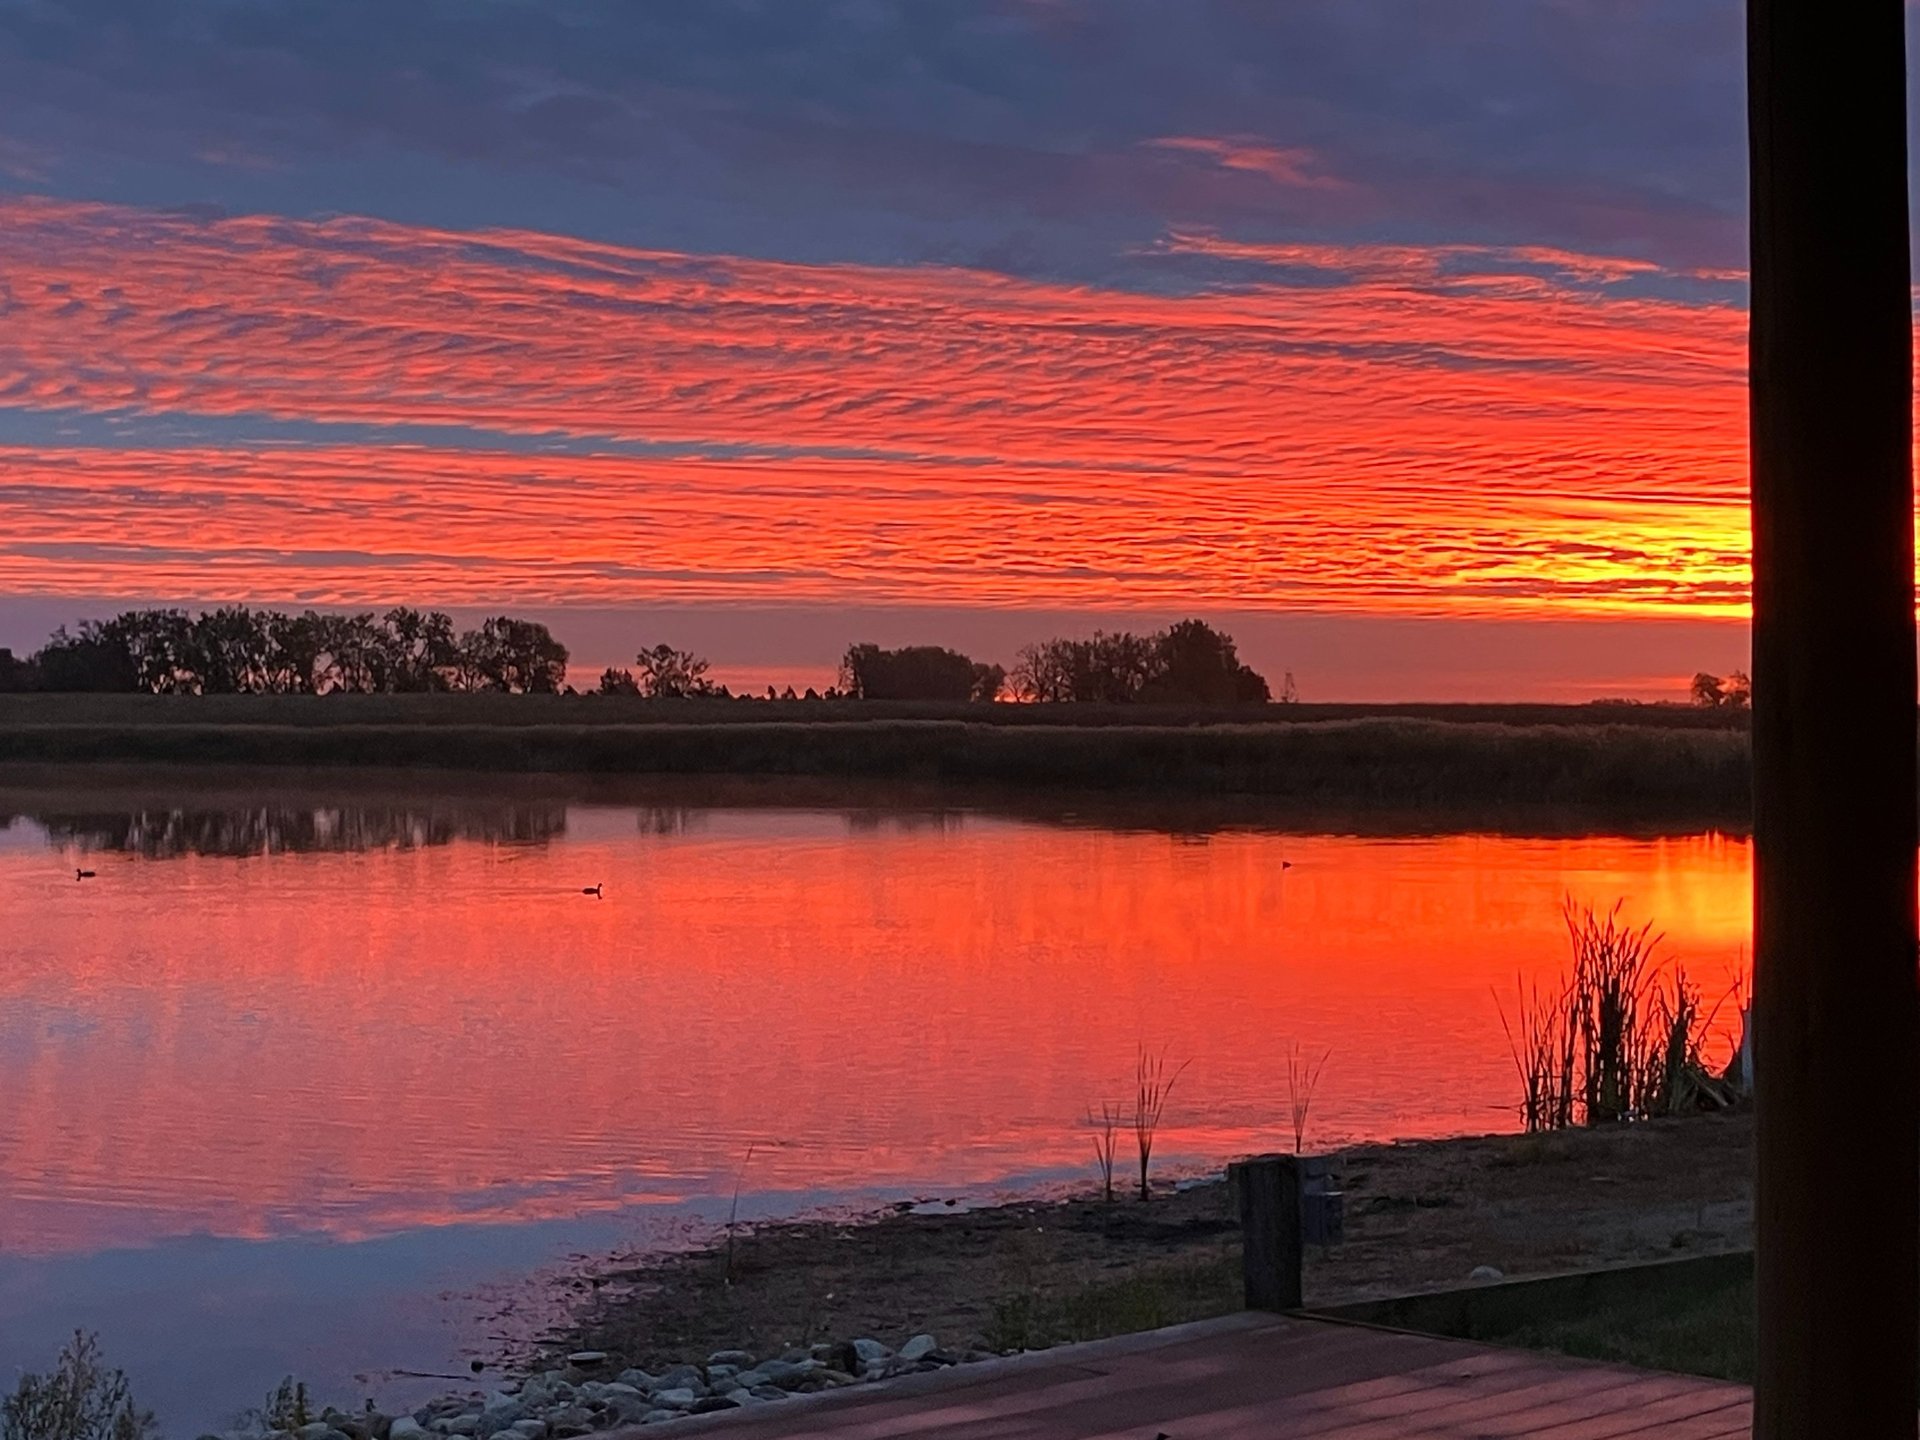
312,1077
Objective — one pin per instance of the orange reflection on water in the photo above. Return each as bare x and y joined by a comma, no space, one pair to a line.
360,1042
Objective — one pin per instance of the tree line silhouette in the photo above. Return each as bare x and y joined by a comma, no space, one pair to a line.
240,650
237,650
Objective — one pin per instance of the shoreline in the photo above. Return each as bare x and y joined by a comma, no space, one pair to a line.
1419,1215
827,1300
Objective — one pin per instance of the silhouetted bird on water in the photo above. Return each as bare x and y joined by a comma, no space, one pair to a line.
593,890
1286,864
83,874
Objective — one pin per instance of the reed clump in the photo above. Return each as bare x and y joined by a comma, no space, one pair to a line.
1620,1038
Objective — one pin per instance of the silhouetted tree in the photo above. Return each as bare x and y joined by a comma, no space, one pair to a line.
1188,663
90,658
16,675
669,674
416,649
617,682
916,672
1194,663
519,656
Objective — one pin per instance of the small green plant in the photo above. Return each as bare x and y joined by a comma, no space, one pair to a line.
1145,1298
81,1400
288,1406
1152,1086
1010,1326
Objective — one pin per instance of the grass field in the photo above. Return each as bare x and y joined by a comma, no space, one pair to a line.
1663,770
1705,1330
521,710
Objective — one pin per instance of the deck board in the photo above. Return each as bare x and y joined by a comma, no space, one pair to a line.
1260,1377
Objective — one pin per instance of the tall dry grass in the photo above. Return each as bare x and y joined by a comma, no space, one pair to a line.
1153,1084
1619,771
1106,1144
1303,1078
1620,1038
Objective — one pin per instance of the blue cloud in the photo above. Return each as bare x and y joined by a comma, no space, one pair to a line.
1011,134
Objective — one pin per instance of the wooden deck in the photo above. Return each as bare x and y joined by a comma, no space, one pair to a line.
1260,1377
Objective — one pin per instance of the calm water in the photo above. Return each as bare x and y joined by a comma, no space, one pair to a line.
304,1081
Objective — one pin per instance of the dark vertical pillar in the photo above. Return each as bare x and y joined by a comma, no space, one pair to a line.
1836,1015
1268,1189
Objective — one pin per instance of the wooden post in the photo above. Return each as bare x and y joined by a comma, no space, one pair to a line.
1268,1187
1836,1013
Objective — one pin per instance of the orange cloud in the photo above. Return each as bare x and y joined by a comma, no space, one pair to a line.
1438,430
1291,166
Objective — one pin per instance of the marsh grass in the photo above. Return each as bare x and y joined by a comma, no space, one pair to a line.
1638,770
1544,1041
1303,1078
1619,1039
1106,1144
733,1210
1153,1085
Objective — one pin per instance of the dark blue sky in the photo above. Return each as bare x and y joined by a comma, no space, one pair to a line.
1017,135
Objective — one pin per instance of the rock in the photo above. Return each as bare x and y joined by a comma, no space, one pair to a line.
627,1409
638,1378
869,1351
722,1374
502,1413
1486,1272
712,1404
765,1392
459,1425
680,1397
839,1356
654,1417
683,1377
587,1359
943,1357
781,1372
407,1428
738,1359
533,1427
918,1348
571,1420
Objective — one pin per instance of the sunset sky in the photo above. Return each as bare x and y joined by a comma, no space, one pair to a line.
1402,337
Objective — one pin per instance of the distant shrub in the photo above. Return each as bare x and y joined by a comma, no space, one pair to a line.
81,1400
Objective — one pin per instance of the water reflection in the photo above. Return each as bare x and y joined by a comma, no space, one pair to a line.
166,833
347,1018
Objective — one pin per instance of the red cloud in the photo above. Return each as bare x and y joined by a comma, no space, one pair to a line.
1442,429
